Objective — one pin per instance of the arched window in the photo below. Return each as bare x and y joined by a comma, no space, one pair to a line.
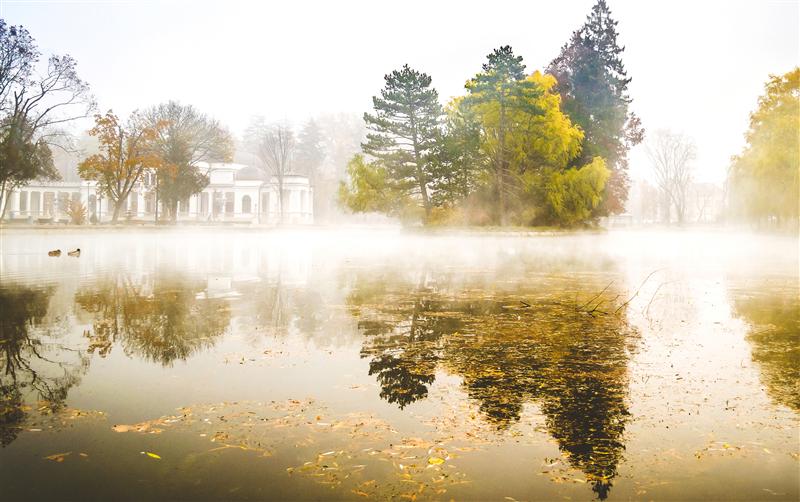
246,204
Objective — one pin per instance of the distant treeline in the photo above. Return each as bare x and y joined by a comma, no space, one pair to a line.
517,148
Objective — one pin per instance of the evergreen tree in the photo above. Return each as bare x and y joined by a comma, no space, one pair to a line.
498,91
593,85
458,161
403,131
310,150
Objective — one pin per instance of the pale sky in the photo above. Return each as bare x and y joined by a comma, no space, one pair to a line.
697,66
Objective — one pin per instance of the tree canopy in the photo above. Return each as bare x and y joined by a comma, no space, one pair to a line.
127,150
764,181
593,84
185,137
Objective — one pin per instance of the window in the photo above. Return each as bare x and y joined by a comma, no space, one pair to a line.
149,202
23,201
204,203
218,202
229,200
92,204
35,199
286,200
246,204
133,203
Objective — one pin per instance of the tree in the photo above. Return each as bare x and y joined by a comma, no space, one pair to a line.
593,85
498,91
671,156
368,189
22,159
185,138
458,163
527,130
275,147
310,150
573,194
764,179
127,150
33,107
403,132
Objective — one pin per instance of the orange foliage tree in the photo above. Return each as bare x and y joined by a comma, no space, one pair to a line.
126,153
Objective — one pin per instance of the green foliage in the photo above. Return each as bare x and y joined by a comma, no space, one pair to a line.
368,189
573,194
593,85
457,162
505,153
23,157
764,181
185,138
403,133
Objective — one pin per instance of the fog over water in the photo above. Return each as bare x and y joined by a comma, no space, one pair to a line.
310,363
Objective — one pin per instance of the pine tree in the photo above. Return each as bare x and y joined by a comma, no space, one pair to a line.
310,151
458,160
497,92
593,85
403,132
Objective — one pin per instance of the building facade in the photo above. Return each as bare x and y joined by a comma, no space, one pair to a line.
236,193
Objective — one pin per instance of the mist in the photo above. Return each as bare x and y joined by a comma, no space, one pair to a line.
346,251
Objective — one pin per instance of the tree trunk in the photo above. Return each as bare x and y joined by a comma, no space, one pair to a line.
280,200
501,168
115,214
423,186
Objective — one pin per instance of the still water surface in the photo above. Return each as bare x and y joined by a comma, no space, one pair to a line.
382,364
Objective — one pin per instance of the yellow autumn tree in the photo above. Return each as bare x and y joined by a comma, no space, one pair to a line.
764,180
126,153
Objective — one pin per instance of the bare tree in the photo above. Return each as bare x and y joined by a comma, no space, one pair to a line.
275,146
185,138
33,108
671,155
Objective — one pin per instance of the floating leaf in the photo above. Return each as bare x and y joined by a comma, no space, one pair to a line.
57,457
435,461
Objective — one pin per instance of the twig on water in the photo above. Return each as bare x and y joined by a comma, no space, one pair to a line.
596,297
637,291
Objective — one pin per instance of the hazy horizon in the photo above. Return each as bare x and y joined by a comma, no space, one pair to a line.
697,69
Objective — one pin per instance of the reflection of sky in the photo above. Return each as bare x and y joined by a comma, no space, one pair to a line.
691,376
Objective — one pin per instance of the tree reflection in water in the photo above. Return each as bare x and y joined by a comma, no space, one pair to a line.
509,351
162,320
774,315
35,365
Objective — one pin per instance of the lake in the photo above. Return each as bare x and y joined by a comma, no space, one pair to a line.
380,363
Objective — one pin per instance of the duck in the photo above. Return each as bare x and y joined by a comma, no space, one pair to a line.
55,252
75,253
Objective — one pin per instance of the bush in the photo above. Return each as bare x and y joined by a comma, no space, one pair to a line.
76,212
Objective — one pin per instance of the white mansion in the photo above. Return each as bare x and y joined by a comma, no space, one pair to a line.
236,193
